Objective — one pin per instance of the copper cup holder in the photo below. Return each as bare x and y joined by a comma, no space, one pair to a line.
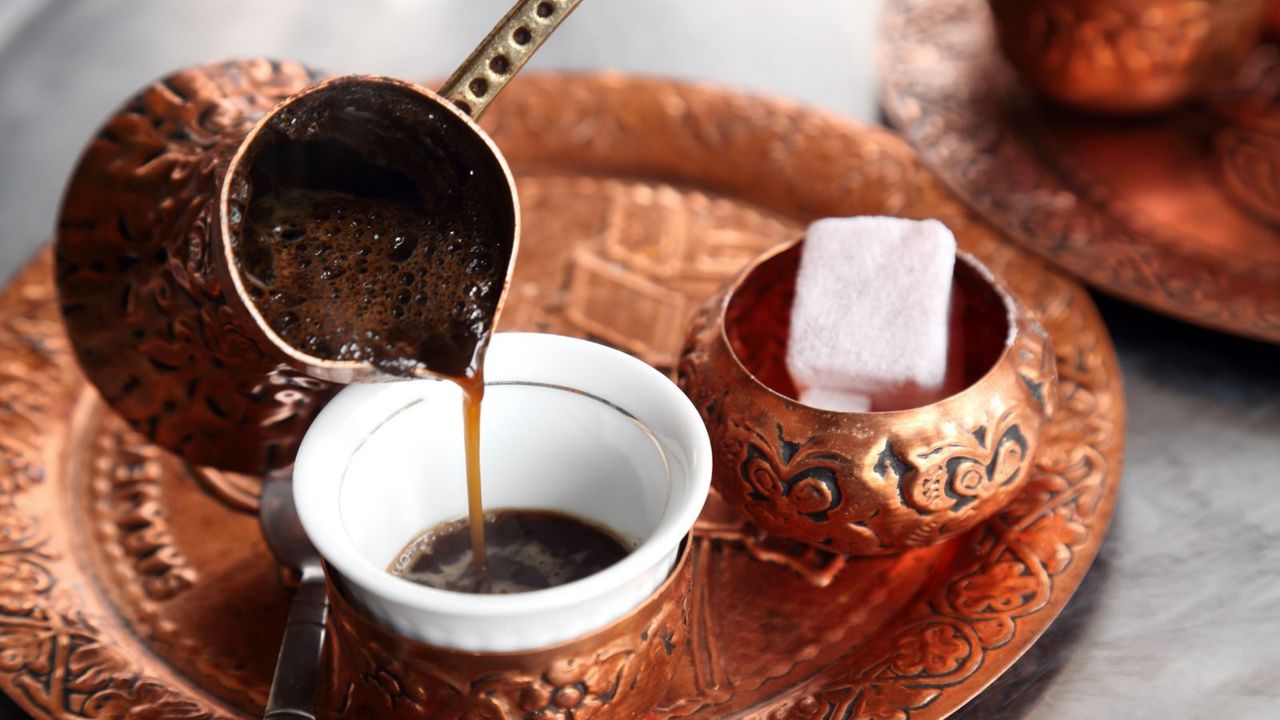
619,671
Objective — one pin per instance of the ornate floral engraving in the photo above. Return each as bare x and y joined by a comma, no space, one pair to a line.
861,484
1248,146
790,479
569,688
1013,563
134,517
973,464
135,269
34,344
55,659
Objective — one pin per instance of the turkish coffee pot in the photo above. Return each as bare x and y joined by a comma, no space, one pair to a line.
147,252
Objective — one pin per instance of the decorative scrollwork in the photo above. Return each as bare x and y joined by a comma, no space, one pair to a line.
136,242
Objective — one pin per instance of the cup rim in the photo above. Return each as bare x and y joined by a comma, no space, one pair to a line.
1013,312
318,481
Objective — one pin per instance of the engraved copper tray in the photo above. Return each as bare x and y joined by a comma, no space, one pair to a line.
1179,213
124,588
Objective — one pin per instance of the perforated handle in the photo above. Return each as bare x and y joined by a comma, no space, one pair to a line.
500,56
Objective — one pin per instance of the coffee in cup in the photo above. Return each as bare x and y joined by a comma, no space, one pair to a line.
527,550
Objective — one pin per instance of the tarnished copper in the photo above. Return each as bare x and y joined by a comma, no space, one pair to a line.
125,589
620,671
1126,56
1175,212
867,483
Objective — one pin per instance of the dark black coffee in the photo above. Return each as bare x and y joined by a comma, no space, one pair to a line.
351,278
527,550
374,228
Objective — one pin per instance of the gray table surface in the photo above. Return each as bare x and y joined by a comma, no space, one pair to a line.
1180,616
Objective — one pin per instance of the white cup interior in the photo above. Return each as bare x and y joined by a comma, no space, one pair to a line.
566,425
578,455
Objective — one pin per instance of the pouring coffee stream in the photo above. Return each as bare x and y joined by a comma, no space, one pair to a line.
353,249
373,246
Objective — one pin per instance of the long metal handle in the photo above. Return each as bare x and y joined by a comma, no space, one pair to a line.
293,691
500,56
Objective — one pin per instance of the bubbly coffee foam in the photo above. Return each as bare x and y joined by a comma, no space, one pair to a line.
350,278
369,225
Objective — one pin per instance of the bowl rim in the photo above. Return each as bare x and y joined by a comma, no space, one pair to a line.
1014,317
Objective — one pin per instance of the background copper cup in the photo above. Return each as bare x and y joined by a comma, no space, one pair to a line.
619,671
867,483
1126,56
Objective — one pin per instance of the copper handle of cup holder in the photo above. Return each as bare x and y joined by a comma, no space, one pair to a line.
293,690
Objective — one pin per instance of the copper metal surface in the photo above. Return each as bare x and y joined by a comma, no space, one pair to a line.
1126,56
1176,213
139,242
124,587
159,319
867,483
620,671
157,314
412,105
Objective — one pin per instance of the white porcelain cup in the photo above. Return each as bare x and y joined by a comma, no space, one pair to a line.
566,425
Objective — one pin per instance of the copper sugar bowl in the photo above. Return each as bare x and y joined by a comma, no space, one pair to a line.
878,482
1126,56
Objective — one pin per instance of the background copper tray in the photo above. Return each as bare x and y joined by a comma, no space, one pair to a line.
124,588
1179,213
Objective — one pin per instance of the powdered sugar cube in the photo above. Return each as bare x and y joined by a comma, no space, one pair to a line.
871,310
835,399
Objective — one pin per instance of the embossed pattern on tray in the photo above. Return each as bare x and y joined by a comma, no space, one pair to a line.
1175,212
123,587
